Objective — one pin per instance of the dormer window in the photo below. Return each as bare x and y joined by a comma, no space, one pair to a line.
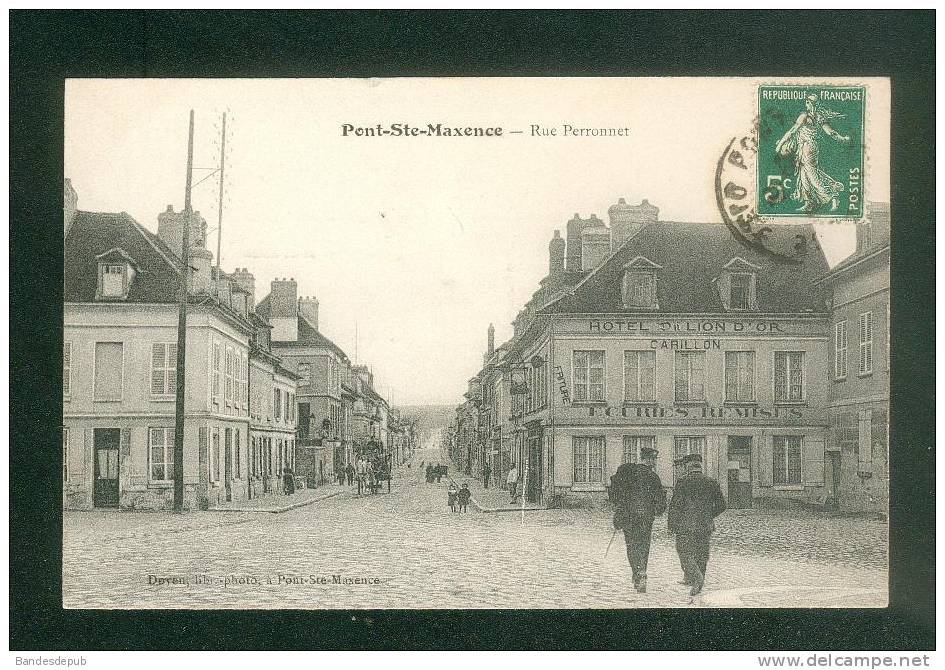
116,271
736,284
113,281
639,284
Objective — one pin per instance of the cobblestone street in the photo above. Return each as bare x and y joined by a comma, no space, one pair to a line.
406,550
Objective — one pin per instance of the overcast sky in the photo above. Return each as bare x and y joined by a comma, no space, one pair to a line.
421,242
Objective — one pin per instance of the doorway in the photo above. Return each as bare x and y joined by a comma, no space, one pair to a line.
739,472
832,479
534,483
106,444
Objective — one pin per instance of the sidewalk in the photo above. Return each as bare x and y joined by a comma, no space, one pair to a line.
493,499
276,504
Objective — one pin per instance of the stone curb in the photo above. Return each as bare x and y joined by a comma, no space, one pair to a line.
276,510
490,510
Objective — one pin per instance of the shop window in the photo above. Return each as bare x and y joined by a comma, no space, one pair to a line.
633,444
161,454
588,460
786,466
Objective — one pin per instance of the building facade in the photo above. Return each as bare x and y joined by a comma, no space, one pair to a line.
651,333
857,458
120,367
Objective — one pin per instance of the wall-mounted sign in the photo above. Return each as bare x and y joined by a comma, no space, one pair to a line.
562,385
517,383
693,327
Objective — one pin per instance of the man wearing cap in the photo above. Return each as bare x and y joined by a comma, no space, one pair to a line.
696,501
639,499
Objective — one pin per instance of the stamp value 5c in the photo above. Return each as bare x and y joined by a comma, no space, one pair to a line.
810,151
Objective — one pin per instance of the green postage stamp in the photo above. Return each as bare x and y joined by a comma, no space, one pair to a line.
810,151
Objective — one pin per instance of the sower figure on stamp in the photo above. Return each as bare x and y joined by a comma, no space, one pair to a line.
696,501
639,498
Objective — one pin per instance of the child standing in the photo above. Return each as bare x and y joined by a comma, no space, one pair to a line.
451,494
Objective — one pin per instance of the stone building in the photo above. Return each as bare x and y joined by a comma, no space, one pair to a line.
319,364
120,366
857,459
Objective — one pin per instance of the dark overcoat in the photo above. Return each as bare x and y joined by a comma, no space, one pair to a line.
696,502
639,492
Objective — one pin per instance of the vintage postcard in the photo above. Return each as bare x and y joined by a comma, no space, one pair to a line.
476,343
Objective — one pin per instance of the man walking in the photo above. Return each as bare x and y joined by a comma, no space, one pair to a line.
639,499
512,482
696,501
362,474
486,473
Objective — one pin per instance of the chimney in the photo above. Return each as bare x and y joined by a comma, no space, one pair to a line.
70,201
171,229
491,340
595,243
308,310
283,310
574,228
200,264
245,279
556,250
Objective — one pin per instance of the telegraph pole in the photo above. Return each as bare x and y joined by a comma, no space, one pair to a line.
182,331
216,283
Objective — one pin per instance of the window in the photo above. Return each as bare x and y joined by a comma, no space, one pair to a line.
866,343
739,376
588,460
163,369
840,350
112,281
788,376
215,385
65,454
639,289
786,467
67,368
216,455
588,376
277,403
236,454
108,370
639,376
632,444
161,454
741,290
229,391
683,446
690,376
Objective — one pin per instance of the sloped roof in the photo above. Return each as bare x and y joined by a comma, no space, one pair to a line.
96,233
308,334
692,256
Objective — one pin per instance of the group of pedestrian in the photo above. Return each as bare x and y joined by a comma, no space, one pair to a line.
458,498
640,498
435,473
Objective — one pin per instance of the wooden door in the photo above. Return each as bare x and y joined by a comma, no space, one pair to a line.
106,445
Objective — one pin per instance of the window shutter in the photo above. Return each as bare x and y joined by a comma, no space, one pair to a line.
171,369
203,452
753,291
125,442
157,369
813,460
865,437
765,454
